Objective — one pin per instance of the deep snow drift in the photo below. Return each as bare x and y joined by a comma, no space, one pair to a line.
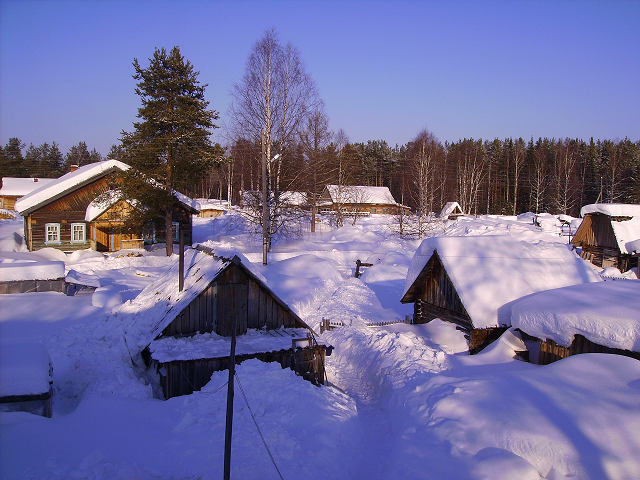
405,401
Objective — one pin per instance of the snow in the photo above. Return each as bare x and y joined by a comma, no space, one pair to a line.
361,194
490,272
24,368
627,232
18,270
404,401
18,187
612,209
211,345
606,313
67,182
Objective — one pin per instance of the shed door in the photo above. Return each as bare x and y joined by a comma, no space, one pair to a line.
232,303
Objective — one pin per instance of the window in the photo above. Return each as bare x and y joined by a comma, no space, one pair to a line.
175,226
78,233
52,233
374,210
149,233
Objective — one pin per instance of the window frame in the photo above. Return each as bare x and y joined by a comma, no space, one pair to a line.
84,232
57,229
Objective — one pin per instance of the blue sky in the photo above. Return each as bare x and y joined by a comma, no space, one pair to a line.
385,69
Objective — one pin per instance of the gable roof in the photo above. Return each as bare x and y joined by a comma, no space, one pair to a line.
626,232
451,208
67,183
360,194
19,187
147,315
84,175
492,271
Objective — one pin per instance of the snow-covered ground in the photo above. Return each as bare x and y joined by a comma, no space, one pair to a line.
405,401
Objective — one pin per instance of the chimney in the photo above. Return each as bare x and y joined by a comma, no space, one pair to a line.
73,168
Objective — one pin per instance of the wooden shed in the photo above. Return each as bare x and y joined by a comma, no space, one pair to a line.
66,213
185,335
451,211
600,317
608,234
473,281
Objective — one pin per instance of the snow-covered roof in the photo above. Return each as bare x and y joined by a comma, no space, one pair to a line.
19,187
606,313
100,205
160,302
212,345
24,368
449,208
627,232
490,272
30,270
66,183
612,209
360,194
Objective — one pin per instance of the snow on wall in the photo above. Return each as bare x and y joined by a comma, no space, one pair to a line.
18,271
606,313
24,369
490,272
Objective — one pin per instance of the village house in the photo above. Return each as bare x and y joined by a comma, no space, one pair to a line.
472,281
83,209
609,235
15,188
601,317
359,200
184,335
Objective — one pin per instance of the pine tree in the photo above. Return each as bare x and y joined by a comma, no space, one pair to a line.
170,145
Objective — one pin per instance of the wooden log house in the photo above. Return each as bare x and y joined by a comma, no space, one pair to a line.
188,332
472,281
606,234
61,214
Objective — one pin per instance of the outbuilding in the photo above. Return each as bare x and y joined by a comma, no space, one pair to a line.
472,281
609,235
602,317
185,335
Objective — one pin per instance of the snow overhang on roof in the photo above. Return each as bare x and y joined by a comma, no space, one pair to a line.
612,209
490,272
66,183
103,203
19,187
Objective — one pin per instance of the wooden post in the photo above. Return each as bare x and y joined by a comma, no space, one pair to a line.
265,206
229,421
181,266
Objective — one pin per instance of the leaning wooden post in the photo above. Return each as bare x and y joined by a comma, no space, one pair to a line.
229,422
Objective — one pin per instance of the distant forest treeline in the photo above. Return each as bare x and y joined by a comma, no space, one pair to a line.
506,177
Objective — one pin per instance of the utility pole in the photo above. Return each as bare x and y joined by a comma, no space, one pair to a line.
265,206
229,420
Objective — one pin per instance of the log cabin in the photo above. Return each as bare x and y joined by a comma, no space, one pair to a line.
74,212
472,281
183,336
601,317
359,199
609,235
14,188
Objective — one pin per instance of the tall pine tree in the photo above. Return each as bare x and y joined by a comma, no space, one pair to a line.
170,146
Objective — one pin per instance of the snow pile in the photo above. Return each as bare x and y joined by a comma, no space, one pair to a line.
606,313
491,272
18,270
24,368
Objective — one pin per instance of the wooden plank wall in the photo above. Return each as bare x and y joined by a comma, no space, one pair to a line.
198,317
27,286
185,377
551,352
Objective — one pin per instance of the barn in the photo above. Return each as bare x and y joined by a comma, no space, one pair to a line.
609,235
185,335
472,281
600,317
82,210
359,199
